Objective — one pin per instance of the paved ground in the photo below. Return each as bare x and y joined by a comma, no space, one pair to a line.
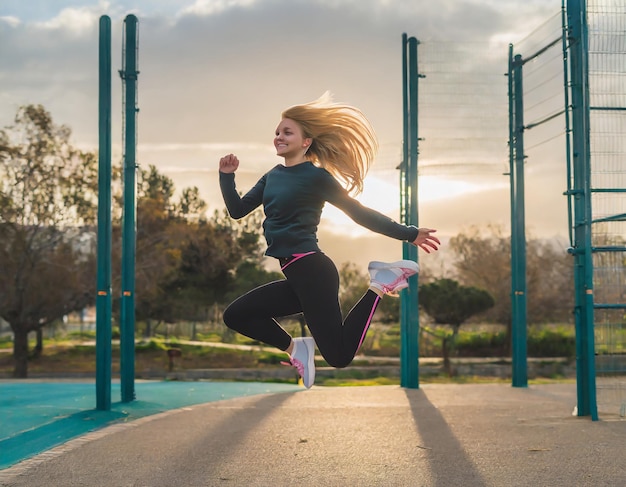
439,435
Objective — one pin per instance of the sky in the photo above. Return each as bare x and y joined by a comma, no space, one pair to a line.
216,74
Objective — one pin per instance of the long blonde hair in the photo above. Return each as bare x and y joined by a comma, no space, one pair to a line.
344,142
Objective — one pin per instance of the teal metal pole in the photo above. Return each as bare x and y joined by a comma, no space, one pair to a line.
581,191
103,277
567,112
514,251
129,230
519,335
410,333
511,94
404,209
404,193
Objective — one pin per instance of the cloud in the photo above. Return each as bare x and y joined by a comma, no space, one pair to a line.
74,21
214,77
200,67
220,147
10,20
289,54
211,7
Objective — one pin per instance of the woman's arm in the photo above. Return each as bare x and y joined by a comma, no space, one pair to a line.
379,223
238,206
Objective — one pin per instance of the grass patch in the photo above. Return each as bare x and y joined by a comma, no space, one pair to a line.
66,354
152,355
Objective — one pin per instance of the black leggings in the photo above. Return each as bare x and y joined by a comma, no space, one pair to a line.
311,287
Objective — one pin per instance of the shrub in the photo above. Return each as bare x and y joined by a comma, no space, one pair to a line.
541,342
549,342
151,345
472,344
84,335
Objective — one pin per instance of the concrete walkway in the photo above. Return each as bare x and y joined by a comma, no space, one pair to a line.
439,435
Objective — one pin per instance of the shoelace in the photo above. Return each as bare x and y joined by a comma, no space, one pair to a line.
389,288
295,363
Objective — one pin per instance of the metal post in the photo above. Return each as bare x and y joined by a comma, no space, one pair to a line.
103,278
511,174
410,324
518,236
567,113
581,191
129,230
404,204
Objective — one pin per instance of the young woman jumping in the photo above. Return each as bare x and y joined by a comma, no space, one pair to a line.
327,150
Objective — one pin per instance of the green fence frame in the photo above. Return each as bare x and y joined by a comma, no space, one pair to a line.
129,75
409,305
103,277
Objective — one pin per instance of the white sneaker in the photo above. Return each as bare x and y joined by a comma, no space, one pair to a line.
303,359
391,277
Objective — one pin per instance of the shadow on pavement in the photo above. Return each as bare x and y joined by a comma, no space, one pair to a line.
447,457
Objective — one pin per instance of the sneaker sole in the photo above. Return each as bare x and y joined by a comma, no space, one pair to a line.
310,349
402,264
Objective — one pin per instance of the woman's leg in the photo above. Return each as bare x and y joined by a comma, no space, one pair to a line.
315,281
253,313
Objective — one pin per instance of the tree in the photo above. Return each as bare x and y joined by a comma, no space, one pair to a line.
191,207
484,260
186,263
209,268
550,283
449,303
47,208
245,263
157,252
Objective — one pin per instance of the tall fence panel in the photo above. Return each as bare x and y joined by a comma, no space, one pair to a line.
588,73
573,133
536,141
606,27
585,73
463,110
463,151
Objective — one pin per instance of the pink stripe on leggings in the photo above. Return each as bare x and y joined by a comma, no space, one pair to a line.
296,257
369,321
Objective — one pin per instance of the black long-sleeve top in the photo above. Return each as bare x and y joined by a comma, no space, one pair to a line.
293,198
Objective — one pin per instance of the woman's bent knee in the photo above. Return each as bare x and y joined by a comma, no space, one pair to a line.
338,362
230,317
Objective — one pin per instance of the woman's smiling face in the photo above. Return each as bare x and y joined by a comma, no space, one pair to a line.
289,140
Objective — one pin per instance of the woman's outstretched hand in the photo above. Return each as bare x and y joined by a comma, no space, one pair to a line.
426,241
229,164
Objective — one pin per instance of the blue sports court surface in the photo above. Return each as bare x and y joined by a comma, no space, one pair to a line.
37,416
